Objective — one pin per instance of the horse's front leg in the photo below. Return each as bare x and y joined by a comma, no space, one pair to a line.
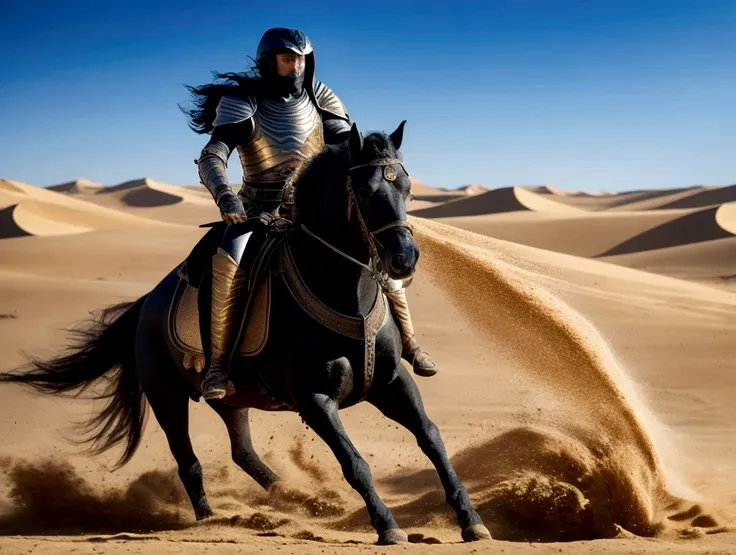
401,401
320,412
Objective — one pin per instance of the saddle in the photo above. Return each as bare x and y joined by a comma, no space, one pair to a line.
273,261
183,318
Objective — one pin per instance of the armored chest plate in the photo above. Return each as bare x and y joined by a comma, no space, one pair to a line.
286,133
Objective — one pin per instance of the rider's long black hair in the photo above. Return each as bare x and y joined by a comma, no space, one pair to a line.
207,97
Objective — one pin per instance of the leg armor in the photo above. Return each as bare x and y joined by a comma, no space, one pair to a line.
229,295
421,362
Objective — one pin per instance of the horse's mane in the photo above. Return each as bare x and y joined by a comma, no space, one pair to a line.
207,97
316,178
331,165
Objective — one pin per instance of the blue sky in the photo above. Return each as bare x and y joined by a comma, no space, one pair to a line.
591,95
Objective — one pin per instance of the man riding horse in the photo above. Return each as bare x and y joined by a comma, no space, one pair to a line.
277,117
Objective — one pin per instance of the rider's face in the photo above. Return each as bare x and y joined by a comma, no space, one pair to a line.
288,64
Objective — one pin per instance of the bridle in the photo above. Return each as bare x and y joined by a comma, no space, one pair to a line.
375,264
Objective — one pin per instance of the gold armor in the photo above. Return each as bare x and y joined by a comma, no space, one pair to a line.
285,135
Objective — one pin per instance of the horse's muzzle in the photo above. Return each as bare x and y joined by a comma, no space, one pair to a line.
400,254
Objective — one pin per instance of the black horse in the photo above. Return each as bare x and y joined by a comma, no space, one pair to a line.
332,343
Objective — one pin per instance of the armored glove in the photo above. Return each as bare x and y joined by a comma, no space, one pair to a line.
231,208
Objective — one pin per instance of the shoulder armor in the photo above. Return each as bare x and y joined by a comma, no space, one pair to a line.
234,109
328,100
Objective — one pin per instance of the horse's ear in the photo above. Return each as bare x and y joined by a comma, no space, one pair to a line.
398,135
355,141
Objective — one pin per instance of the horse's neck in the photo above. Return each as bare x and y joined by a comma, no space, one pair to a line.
337,282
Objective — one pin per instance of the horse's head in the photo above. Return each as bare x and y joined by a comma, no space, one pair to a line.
378,186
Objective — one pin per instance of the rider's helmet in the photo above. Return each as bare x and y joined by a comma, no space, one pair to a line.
281,40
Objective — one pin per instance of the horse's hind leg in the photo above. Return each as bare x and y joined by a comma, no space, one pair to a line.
244,455
320,413
168,396
401,401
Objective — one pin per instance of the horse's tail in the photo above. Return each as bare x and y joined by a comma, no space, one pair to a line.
105,349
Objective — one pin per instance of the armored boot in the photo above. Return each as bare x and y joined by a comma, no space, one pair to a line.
421,363
228,299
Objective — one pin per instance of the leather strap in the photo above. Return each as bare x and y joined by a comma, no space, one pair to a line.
361,328
380,162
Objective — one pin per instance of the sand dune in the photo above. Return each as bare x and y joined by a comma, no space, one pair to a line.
699,225
560,192
422,189
77,186
707,197
39,218
631,201
506,199
419,188
709,261
147,193
582,234
588,225
726,217
138,193
425,196
657,199
468,189
203,192
30,210
152,199
697,196
604,233
12,192
552,190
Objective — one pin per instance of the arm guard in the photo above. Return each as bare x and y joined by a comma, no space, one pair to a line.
212,163
212,169
232,124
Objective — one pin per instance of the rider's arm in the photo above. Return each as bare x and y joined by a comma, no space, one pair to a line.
337,129
212,163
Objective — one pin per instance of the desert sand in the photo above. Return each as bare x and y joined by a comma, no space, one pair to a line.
684,233
586,345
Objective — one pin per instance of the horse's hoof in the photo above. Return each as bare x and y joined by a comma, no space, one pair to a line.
475,533
392,537
275,487
202,515
202,510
